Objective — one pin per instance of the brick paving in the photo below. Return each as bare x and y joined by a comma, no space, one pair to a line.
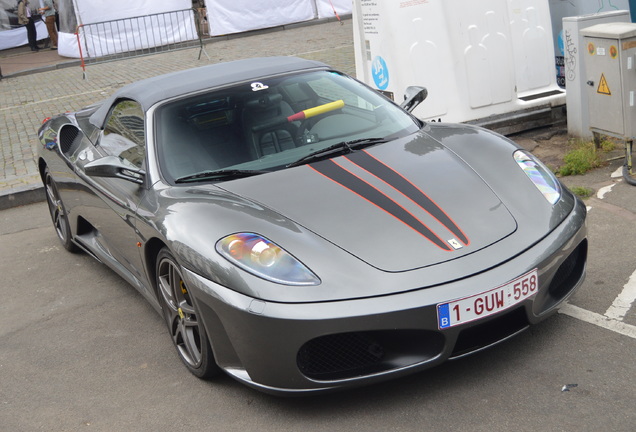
25,100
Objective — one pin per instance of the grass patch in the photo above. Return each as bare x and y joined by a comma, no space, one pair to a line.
580,160
607,145
582,192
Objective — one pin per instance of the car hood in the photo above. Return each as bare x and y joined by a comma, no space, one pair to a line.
406,204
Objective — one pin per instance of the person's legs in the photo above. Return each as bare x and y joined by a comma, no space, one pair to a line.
50,27
32,35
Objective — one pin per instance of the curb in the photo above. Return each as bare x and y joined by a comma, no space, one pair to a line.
21,195
48,68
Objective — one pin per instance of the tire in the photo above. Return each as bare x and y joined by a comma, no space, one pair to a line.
183,319
58,213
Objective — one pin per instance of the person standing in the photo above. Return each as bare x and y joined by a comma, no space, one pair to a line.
49,19
25,17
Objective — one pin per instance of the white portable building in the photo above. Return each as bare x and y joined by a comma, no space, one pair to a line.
477,59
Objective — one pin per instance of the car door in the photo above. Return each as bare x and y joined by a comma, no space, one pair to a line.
112,204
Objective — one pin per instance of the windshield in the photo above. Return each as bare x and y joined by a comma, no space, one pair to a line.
272,123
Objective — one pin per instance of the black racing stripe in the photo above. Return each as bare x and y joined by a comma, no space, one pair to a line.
408,189
358,186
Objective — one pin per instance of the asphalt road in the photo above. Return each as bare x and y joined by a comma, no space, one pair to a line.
80,350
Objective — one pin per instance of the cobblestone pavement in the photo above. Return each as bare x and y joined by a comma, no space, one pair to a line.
26,100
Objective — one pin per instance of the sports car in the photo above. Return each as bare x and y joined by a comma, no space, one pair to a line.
301,232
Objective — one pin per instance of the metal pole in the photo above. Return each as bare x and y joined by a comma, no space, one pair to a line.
315,6
632,9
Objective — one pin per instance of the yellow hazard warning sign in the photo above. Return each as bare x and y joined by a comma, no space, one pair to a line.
603,88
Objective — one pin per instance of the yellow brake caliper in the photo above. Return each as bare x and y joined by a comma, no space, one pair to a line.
184,291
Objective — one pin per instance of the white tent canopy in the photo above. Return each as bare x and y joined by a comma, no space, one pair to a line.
234,16
223,17
18,36
11,33
328,8
129,35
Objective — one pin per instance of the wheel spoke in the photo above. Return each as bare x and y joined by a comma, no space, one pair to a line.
175,279
166,276
166,292
60,222
52,201
191,345
186,338
189,311
51,195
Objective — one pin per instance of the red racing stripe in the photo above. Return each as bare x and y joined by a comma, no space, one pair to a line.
401,184
358,186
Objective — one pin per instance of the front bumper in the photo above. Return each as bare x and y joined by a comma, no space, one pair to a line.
310,347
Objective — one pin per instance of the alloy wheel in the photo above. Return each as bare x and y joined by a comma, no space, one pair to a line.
180,313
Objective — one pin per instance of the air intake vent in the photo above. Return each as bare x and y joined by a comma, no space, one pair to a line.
349,355
570,272
69,140
339,353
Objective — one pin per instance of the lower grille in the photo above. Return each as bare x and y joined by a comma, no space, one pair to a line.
490,332
339,353
348,355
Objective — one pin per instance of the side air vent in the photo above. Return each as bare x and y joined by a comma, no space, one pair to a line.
69,140
569,273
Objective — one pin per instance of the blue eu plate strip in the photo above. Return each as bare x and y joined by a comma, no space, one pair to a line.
443,316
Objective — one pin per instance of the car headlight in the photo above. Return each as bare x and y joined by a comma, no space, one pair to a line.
540,175
265,259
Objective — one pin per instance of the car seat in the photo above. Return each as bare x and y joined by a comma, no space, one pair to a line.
267,130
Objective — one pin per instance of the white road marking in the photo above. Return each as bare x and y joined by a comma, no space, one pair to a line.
624,301
602,191
617,173
599,320
53,99
612,320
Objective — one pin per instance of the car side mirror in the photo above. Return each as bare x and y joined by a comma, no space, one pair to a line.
413,96
112,166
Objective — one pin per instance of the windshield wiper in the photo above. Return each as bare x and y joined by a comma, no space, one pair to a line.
344,147
224,174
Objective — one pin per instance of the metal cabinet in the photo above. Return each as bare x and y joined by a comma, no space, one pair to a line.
610,65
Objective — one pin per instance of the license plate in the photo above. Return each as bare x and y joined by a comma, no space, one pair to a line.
488,303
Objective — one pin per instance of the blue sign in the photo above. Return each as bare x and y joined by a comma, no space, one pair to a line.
380,73
443,316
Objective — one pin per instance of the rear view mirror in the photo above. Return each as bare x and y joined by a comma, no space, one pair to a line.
413,96
112,166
